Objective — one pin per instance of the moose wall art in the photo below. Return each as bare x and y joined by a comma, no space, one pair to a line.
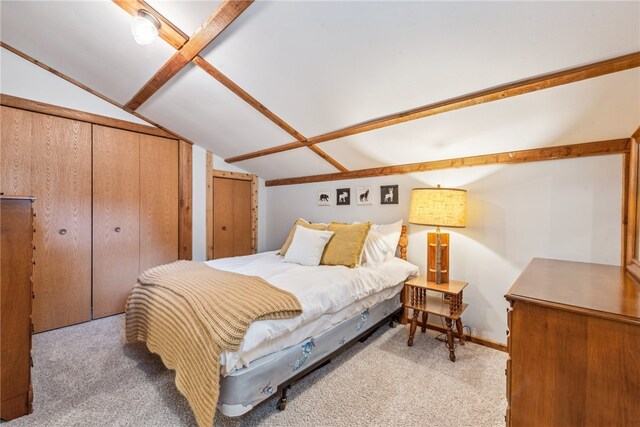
343,196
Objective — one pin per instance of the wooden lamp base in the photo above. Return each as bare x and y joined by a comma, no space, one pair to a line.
438,257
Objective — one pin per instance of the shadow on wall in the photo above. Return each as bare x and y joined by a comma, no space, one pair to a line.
568,209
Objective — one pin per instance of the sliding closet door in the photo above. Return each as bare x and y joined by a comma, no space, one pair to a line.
15,152
158,201
231,217
116,211
61,182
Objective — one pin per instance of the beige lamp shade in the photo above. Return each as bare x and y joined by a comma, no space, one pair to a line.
439,207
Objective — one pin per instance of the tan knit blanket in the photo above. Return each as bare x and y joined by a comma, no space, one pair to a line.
189,313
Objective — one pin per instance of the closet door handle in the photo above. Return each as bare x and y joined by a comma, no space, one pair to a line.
63,231
118,229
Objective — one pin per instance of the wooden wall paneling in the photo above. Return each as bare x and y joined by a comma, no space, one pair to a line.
15,151
116,218
158,201
209,207
185,213
61,181
223,217
254,214
242,214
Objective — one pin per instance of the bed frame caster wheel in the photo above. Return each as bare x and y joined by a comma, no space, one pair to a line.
392,323
282,402
452,357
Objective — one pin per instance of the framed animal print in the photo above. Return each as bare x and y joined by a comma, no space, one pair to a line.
364,196
343,196
388,194
324,198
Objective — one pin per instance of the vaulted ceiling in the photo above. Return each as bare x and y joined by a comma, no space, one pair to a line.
290,71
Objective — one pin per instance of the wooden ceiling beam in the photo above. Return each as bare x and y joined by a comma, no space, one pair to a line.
636,134
224,15
598,148
496,93
168,32
176,38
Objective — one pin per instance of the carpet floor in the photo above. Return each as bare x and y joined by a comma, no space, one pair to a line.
85,375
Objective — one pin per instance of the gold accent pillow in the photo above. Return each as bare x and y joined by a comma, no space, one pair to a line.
346,245
303,223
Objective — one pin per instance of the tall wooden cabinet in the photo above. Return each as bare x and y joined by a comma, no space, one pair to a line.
106,209
15,306
231,217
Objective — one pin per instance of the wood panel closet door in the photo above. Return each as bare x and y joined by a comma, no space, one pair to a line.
241,218
158,201
15,152
61,181
116,211
231,217
223,205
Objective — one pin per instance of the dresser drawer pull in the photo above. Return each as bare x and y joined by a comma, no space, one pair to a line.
118,229
62,231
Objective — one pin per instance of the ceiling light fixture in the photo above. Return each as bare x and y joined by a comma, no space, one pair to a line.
145,27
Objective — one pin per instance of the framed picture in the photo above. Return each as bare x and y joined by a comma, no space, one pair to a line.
324,198
364,196
343,196
388,194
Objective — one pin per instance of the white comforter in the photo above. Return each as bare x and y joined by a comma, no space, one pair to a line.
325,293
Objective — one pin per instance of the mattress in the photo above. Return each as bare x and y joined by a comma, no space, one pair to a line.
245,388
328,295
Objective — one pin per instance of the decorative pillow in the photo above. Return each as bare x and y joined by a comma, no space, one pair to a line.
345,246
307,246
381,243
303,223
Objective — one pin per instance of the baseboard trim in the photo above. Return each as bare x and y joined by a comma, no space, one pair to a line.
476,340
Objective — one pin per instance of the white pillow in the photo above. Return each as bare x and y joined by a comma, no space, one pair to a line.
307,246
381,243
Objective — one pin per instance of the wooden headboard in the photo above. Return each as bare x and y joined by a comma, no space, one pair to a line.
403,243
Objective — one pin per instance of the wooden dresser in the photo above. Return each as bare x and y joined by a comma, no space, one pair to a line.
16,253
574,346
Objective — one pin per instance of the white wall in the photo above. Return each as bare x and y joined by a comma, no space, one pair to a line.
566,209
19,77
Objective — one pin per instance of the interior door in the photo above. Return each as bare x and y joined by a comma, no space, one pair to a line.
223,205
116,211
158,201
231,217
15,152
61,182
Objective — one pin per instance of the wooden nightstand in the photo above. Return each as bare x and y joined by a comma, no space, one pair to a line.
415,297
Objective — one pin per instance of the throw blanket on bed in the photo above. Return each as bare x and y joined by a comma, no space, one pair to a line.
188,313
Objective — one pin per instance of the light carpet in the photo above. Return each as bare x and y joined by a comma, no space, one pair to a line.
85,375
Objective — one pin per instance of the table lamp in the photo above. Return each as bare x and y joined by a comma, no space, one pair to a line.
439,207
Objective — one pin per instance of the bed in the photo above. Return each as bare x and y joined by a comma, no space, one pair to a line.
340,305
